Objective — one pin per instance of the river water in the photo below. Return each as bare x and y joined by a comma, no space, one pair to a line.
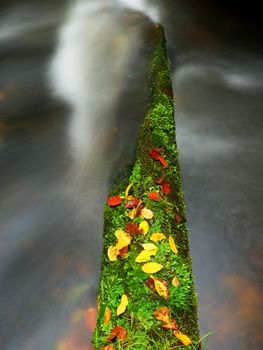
69,112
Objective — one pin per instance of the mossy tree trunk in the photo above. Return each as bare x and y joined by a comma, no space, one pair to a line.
156,186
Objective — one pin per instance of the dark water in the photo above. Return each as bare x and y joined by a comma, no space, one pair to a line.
68,120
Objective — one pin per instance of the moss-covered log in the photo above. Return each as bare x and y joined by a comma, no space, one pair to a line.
161,312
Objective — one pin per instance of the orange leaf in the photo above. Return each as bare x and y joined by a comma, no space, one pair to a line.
117,332
154,196
172,245
166,189
107,316
172,324
163,314
132,214
156,154
185,340
108,347
113,201
175,281
132,228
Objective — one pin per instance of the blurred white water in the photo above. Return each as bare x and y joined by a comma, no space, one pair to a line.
97,45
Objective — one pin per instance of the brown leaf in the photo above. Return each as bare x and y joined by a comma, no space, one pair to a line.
124,251
166,189
133,203
132,228
113,201
159,180
156,154
178,218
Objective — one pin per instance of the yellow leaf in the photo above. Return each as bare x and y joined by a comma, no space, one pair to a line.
158,236
161,288
124,239
145,255
107,316
127,190
172,245
146,213
123,305
175,281
144,227
149,246
113,252
152,267
184,338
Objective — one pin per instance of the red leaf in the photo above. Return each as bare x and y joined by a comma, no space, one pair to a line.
159,180
156,154
118,332
150,284
113,201
166,188
124,251
178,218
132,203
154,196
132,228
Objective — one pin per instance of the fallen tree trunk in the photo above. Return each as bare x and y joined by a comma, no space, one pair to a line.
146,296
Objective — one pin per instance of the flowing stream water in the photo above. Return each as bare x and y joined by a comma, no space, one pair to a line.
72,93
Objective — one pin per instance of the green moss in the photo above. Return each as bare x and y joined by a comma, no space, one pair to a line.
125,276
